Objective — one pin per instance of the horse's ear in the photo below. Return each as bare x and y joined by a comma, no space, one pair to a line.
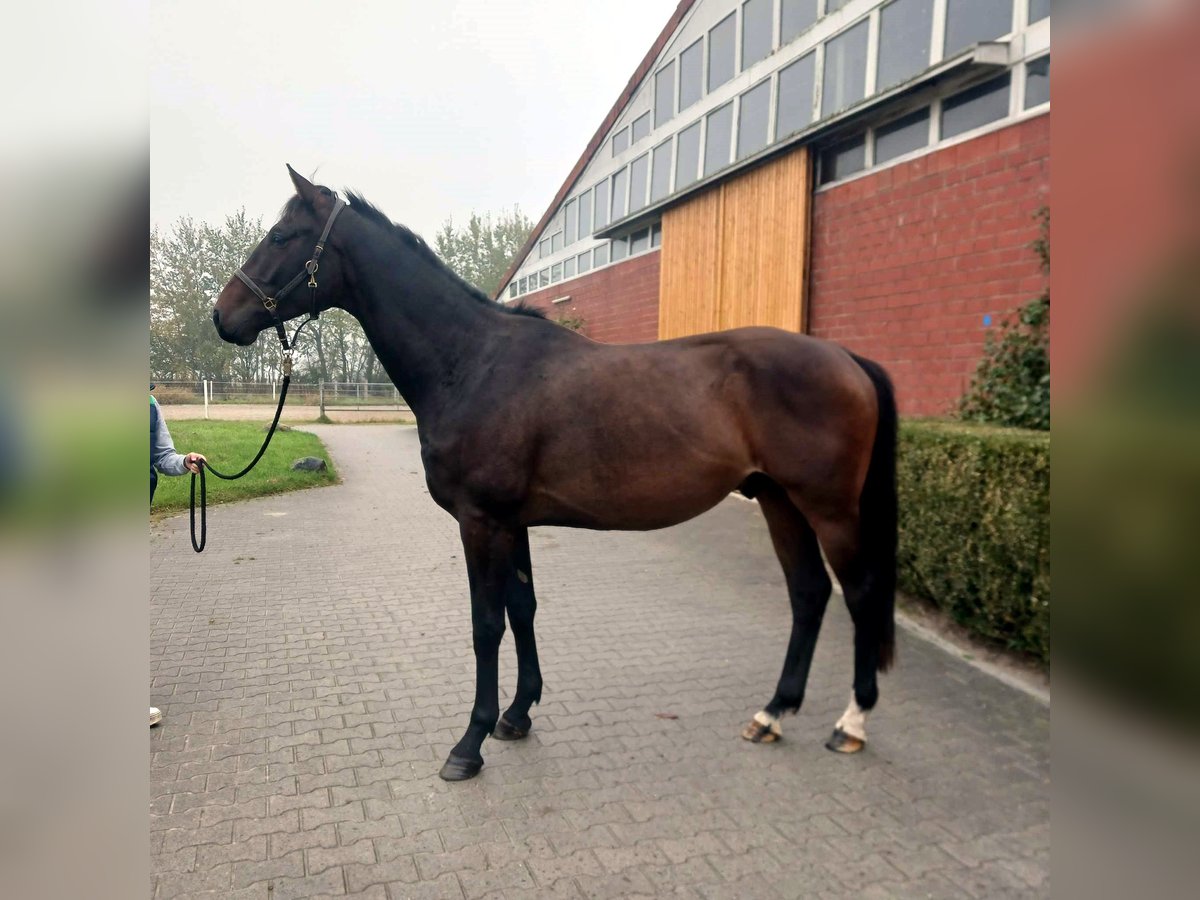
305,188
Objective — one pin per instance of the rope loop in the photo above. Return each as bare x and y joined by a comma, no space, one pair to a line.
198,545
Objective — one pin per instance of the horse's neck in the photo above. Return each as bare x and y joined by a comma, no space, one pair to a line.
427,331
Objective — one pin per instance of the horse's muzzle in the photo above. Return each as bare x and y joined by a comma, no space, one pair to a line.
225,334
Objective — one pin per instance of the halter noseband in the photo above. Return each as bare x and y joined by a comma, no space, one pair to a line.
310,269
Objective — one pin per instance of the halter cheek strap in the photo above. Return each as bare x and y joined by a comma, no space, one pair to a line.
310,270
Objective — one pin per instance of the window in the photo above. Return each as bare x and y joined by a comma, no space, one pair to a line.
904,135
687,156
1037,82
691,74
570,222
641,127
794,17
585,214
556,273
971,21
664,94
660,171
756,31
795,105
600,256
1038,10
904,30
639,242
556,242
544,277
845,69
717,139
656,235
620,142
569,267
976,107
512,290
585,261
844,159
620,249
834,5
620,187
720,52
543,248
752,119
600,218
521,286
639,173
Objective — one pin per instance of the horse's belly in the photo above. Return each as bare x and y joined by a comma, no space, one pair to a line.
639,503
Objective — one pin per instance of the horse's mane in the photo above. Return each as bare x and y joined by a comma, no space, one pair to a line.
417,244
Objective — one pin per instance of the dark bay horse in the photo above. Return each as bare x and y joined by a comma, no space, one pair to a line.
523,422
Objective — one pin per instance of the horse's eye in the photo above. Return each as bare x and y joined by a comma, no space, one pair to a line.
277,238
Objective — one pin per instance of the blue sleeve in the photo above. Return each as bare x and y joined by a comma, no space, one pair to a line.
162,451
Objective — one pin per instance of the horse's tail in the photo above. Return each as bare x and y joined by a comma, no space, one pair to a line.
877,514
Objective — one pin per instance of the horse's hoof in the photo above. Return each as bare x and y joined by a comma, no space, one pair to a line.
459,769
841,742
758,733
506,731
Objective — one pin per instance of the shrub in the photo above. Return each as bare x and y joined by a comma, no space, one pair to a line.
975,528
572,323
1012,381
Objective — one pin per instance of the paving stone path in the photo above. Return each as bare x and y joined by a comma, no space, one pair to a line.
314,667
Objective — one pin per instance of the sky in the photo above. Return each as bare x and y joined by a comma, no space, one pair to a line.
432,110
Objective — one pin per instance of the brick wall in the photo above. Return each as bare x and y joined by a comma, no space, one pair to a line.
619,303
906,263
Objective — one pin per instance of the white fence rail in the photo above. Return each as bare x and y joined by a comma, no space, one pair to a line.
333,394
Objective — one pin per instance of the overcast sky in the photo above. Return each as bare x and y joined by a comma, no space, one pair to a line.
431,109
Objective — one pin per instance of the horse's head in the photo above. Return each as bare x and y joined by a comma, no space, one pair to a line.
280,257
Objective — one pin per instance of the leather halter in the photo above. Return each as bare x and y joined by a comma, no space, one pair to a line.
310,269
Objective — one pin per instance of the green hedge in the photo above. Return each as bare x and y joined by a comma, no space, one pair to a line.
975,528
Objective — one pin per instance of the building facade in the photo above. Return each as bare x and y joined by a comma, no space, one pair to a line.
864,171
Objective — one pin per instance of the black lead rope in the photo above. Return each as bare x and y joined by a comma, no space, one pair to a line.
198,546
271,304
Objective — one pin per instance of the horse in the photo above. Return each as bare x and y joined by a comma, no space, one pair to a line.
523,423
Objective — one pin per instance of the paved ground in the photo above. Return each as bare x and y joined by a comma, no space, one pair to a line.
314,667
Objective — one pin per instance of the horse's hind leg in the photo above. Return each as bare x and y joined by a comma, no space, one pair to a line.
808,588
865,598
522,605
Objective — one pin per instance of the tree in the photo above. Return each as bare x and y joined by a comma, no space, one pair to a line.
482,251
188,268
190,264
1012,382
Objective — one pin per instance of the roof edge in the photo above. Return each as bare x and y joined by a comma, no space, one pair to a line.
593,145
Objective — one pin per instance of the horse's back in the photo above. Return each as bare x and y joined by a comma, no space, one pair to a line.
798,370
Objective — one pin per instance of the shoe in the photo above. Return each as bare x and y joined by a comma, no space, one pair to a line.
155,716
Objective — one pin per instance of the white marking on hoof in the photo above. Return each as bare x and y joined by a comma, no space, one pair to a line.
853,721
769,722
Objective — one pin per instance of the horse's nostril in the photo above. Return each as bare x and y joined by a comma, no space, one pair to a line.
216,317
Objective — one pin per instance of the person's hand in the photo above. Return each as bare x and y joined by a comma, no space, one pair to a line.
192,462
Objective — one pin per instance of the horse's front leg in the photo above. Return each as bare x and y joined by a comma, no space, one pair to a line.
493,574
522,605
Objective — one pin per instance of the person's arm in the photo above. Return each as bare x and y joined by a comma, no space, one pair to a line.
162,451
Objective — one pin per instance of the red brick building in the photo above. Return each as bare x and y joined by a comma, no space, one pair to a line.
868,172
